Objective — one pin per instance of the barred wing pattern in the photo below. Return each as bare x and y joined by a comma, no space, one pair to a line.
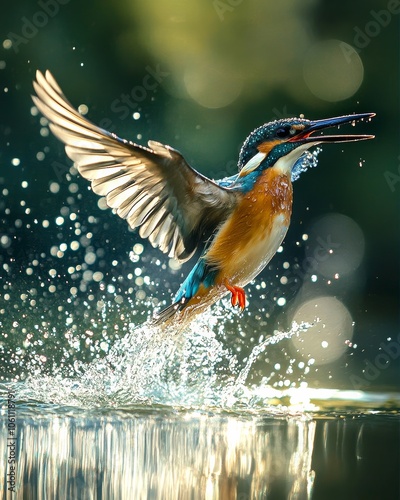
151,187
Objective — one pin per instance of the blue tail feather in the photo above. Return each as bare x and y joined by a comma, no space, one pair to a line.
202,273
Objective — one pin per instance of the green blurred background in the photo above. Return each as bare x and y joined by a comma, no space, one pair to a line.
200,75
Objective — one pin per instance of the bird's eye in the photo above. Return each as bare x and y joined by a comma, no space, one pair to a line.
282,132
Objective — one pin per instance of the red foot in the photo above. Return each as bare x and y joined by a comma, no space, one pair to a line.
238,295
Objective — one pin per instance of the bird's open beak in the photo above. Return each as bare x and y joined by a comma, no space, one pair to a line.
306,135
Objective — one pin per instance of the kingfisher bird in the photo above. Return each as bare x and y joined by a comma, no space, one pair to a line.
239,221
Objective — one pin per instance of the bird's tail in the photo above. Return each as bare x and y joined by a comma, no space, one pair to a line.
185,309
169,312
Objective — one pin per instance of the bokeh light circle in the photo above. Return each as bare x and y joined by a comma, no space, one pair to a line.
339,245
333,70
332,325
210,86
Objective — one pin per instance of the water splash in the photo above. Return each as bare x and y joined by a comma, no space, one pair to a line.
306,161
155,366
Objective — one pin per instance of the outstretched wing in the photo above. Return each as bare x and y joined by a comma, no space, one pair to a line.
154,188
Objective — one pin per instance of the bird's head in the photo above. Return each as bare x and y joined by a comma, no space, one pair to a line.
282,142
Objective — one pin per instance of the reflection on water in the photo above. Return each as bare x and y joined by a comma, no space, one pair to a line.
163,456
158,456
148,453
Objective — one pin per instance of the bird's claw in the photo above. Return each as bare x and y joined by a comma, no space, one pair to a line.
238,296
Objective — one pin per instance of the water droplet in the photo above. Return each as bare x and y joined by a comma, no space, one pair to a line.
83,109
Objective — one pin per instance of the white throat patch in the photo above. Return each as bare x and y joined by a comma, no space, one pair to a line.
252,164
285,164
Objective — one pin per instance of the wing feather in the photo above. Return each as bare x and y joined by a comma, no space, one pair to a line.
151,187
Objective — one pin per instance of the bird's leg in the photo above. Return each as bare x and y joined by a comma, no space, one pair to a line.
238,294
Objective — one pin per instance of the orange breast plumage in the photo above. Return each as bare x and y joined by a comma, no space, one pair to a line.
250,237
